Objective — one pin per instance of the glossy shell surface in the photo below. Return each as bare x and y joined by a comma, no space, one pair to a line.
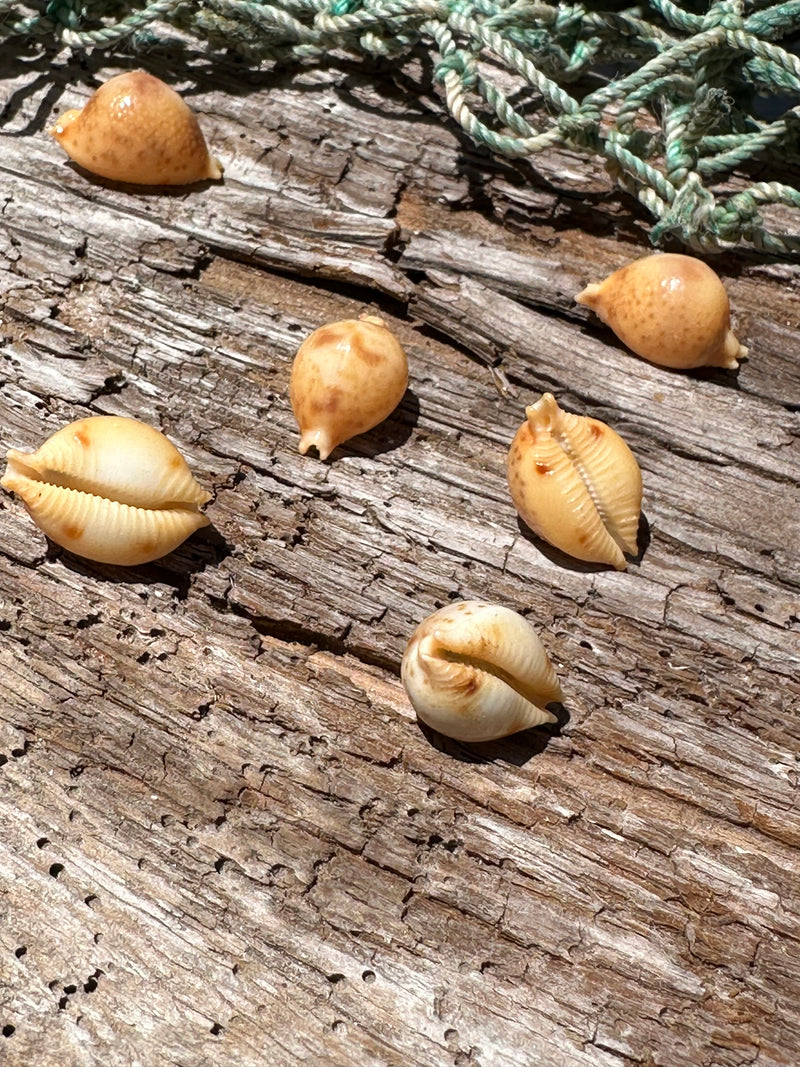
136,129
576,483
347,377
109,488
477,671
670,309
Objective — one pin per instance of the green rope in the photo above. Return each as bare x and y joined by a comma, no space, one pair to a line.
677,115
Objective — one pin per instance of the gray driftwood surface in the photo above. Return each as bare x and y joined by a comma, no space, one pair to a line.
225,840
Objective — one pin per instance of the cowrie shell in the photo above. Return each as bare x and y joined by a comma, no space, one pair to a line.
109,488
670,309
136,129
576,483
476,671
347,377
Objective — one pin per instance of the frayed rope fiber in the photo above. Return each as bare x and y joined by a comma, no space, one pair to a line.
672,116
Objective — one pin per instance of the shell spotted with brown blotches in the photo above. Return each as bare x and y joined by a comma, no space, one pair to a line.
136,129
576,483
110,489
347,377
476,671
669,309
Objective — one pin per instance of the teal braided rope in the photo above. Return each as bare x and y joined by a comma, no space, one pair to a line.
524,76
728,157
775,22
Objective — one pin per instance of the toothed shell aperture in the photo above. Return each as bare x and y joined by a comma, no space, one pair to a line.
347,377
136,129
576,483
109,488
670,309
476,671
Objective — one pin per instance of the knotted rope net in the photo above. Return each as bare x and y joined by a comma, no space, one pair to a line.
666,94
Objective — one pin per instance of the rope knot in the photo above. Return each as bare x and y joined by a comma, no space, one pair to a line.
579,126
460,63
689,216
738,218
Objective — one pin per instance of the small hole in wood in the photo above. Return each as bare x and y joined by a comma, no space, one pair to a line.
217,1029
368,977
335,978
8,1030
20,952
451,1035
42,842
55,869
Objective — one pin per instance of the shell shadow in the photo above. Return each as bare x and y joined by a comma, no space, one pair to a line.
388,435
555,555
643,538
205,548
131,188
516,749
723,376
592,327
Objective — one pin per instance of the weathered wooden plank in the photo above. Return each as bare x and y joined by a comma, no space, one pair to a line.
209,774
